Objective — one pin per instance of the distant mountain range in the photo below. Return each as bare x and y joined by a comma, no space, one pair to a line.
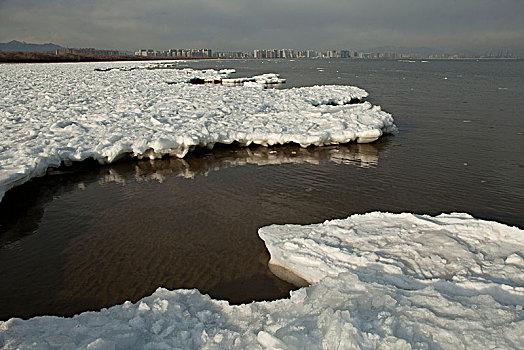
18,46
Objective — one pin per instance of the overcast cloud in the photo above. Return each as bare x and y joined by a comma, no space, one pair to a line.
448,25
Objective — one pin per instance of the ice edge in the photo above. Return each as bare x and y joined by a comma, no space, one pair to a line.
52,119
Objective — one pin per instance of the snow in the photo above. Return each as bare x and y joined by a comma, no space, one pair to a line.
59,113
380,280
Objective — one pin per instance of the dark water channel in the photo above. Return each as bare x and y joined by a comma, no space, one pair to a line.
92,236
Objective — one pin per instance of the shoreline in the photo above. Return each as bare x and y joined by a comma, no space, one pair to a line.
44,57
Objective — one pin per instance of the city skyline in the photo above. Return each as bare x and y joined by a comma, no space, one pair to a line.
445,25
15,46
310,53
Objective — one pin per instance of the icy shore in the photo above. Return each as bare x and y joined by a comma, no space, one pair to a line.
60,113
380,281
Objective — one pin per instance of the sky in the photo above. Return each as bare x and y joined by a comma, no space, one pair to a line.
446,25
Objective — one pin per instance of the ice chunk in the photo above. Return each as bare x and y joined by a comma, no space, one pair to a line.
227,71
269,78
448,247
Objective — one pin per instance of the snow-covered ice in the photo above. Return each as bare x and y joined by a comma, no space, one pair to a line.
380,280
54,113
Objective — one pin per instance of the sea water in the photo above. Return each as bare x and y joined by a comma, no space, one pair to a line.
88,237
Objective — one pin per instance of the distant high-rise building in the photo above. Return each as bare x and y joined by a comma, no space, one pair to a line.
88,51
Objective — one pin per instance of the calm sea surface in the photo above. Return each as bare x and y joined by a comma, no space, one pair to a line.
88,237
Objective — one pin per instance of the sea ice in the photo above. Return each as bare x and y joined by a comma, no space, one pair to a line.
380,280
59,113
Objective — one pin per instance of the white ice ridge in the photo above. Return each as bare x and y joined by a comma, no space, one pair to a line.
388,281
54,113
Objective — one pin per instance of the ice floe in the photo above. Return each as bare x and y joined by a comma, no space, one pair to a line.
380,280
59,113
269,78
207,76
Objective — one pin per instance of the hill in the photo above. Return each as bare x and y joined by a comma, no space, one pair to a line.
18,46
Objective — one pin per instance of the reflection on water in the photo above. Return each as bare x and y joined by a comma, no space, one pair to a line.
362,155
91,236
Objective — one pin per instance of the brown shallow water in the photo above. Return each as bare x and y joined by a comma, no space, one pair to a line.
87,238
91,236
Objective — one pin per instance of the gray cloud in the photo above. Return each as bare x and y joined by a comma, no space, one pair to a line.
247,24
